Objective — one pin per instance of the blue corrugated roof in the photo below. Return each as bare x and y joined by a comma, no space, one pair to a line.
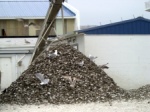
138,25
26,8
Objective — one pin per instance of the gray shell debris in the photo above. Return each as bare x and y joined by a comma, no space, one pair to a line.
141,93
68,81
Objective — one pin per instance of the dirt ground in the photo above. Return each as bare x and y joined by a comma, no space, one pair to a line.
117,106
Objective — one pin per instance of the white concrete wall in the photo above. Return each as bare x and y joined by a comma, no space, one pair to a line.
128,57
81,43
10,69
25,58
6,71
15,49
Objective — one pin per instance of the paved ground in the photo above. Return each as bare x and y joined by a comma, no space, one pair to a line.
130,106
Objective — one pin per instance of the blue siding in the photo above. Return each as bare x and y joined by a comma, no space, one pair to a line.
25,8
138,25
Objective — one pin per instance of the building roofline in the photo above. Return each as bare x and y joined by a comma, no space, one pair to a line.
113,24
73,17
66,8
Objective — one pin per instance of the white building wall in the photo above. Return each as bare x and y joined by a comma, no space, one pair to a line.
25,58
128,57
9,68
5,72
81,43
13,50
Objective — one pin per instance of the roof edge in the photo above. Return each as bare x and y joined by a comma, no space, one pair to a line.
73,17
116,23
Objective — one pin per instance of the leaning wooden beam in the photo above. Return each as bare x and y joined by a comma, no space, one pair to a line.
47,26
64,38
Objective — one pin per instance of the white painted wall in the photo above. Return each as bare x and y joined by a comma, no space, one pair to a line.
81,43
25,58
6,71
9,68
13,50
128,57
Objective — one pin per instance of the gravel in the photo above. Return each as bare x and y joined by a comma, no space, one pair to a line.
69,82
71,78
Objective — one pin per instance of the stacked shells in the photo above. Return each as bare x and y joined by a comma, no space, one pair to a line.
69,82
141,93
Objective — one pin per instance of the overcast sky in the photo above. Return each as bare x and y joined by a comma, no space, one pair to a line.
96,12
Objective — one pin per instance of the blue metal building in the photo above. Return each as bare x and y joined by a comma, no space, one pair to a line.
138,25
11,9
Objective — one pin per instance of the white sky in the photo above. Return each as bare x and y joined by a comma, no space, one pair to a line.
96,12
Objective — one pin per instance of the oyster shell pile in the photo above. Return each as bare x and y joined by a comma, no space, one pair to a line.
141,93
68,81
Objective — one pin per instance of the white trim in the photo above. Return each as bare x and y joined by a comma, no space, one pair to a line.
18,49
5,56
19,46
11,52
